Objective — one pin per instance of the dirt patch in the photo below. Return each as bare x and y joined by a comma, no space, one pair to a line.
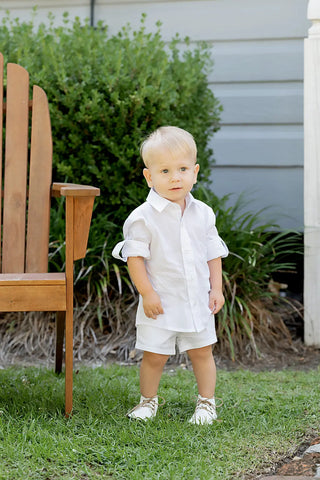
296,356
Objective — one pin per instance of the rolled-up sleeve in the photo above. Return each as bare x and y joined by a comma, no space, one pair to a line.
215,245
136,241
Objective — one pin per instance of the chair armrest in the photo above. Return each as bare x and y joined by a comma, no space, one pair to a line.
82,198
73,190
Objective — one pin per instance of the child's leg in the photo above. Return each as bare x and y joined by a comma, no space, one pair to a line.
150,373
204,369
205,372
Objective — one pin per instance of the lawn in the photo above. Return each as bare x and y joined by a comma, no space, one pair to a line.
265,416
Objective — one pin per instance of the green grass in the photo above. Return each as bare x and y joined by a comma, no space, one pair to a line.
265,416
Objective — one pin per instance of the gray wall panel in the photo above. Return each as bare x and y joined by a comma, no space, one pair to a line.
264,188
257,47
259,145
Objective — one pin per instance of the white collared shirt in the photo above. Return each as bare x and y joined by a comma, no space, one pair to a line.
176,249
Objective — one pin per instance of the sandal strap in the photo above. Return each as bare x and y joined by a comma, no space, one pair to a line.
214,398
151,403
205,405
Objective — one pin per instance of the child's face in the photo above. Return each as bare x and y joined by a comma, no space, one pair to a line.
172,177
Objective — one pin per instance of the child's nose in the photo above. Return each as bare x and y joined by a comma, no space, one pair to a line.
175,176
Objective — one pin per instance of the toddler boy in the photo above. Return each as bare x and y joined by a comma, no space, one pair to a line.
174,252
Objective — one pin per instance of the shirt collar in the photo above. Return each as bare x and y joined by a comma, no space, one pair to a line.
160,203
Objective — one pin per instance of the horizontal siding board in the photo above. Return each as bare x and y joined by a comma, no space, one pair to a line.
259,146
280,103
14,4
219,19
52,4
257,61
82,11
279,191
76,3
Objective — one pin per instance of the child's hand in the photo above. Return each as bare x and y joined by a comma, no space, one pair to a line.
216,300
152,304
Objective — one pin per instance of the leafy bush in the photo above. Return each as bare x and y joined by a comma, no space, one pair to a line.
106,93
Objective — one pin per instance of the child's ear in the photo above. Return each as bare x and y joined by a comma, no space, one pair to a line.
147,176
196,171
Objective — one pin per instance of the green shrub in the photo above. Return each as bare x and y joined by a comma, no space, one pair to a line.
106,92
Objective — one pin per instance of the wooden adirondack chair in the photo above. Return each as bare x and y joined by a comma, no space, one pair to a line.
25,284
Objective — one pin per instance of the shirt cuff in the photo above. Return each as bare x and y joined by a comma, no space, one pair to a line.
217,248
130,248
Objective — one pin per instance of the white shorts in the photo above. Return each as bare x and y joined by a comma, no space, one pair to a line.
165,342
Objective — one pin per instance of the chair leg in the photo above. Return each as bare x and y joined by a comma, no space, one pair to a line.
60,327
69,362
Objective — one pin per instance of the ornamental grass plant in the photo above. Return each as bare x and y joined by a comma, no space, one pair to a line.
253,314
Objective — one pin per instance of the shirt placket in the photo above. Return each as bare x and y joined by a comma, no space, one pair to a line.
190,271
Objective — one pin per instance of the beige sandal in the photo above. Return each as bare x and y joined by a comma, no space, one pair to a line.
205,412
146,409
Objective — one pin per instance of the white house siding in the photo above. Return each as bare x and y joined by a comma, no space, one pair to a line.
257,47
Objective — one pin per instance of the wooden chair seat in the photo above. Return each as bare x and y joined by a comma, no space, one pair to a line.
32,292
26,189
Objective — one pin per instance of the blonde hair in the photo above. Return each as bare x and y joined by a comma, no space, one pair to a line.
170,140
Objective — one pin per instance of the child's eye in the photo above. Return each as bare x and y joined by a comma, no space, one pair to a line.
183,169
165,170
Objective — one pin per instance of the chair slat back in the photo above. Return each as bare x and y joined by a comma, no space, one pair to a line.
39,185
15,174
25,236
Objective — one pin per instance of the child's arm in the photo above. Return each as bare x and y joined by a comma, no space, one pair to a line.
151,300
216,298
